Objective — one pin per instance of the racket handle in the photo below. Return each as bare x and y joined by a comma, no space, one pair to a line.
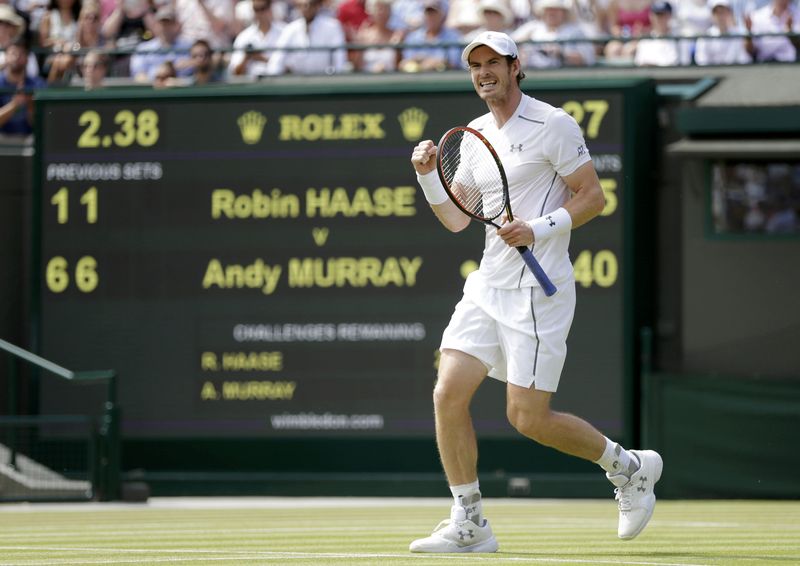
547,285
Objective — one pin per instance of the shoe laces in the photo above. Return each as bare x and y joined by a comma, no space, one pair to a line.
623,497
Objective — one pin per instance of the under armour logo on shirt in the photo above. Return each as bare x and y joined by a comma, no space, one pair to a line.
517,147
581,149
550,218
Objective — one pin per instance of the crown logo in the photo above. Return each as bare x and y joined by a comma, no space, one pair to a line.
251,125
412,122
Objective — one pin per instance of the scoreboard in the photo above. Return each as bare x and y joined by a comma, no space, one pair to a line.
258,262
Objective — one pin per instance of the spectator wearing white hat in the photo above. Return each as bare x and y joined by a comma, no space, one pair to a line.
781,16
12,28
721,50
658,49
12,25
429,56
496,15
555,24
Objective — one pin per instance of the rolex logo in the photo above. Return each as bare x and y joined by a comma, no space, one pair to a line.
412,121
251,125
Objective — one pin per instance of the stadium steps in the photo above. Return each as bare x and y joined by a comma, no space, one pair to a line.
32,480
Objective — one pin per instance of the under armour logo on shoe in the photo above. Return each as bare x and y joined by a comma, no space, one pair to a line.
641,486
550,218
462,534
517,147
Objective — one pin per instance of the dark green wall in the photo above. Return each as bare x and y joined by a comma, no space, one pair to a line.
15,186
725,437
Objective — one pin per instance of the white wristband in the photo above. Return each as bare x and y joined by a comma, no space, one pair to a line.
551,224
432,187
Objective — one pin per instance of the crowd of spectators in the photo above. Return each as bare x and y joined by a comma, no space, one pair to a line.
180,42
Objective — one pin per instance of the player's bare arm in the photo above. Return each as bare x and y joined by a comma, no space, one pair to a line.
587,199
423,158
586,203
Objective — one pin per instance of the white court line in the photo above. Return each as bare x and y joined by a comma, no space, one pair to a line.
541,523
279,555
214,503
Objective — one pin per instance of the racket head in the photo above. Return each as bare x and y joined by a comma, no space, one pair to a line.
472,174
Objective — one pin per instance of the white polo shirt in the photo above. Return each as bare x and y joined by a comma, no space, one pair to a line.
721,50
538,146
323,31
775,48
254,38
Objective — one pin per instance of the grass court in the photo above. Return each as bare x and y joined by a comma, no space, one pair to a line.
367,531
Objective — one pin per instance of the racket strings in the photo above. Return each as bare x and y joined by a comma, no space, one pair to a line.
471,174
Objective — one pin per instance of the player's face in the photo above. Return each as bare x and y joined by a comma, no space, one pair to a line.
492,75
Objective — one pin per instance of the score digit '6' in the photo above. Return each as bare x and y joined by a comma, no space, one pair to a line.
57,274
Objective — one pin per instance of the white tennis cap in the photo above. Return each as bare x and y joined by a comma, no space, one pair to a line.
498,41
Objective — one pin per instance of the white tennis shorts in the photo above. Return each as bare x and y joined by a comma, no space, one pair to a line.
520,335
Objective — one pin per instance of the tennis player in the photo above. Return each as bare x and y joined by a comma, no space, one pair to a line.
504,326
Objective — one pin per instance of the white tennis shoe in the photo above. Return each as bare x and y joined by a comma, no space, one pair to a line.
635,496
457,534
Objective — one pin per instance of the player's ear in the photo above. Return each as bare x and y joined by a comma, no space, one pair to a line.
517,71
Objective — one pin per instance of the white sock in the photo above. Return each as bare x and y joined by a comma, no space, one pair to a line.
616,460
468,496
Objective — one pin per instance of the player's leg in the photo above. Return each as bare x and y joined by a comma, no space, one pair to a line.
529,411
531,384
634,472
460,375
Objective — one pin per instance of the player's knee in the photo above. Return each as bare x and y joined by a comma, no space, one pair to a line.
448,397
531,423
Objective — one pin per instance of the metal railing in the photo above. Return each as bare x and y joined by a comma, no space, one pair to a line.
106,474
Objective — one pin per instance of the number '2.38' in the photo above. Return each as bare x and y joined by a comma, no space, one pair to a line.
129,128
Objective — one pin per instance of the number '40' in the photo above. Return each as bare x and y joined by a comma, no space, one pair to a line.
599,269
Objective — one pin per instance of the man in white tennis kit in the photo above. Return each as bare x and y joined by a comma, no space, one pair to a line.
504,326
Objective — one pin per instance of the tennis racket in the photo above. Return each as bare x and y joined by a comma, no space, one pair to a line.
475,181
